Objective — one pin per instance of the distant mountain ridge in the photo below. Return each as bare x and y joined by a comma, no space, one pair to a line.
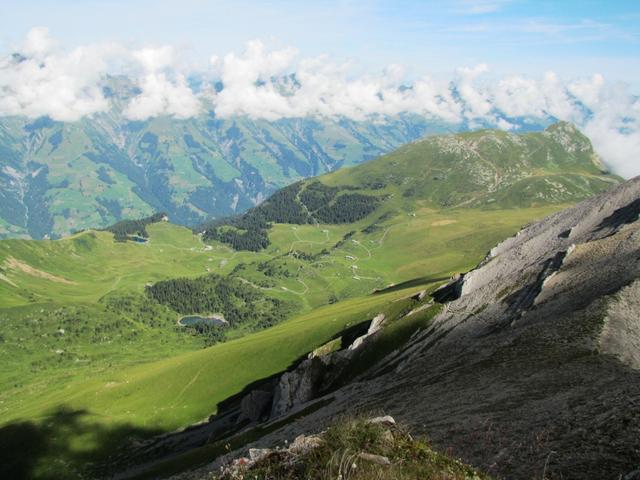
58,177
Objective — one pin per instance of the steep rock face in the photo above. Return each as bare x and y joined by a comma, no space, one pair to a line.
255,405
318,374
532,366
620,334
298,386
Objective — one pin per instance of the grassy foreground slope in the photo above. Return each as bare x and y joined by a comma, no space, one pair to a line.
86,421
175,391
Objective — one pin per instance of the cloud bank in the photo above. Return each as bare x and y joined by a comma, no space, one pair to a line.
41,78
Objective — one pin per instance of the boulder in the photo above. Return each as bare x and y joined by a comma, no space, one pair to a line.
386,421
304,443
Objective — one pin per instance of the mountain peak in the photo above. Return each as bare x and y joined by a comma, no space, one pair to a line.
568,130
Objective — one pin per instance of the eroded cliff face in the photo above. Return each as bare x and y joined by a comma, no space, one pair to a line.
620,335
533,361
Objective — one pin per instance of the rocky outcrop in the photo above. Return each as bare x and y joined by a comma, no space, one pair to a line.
298,386
374,327
255,405
319,373
451,291
620,334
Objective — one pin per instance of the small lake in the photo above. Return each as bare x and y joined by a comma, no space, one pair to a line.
190,320
137,239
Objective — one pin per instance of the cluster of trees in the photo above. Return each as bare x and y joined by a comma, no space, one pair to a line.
344,239
243,232
276,267
294,205
252,240
284,207
316,195
272,269
212,334
283,266
239,302
347,208
327,205
374,185
250,231
125,229
309,257
376,225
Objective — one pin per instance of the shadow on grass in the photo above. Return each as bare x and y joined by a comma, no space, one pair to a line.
65,444
415,282
74,444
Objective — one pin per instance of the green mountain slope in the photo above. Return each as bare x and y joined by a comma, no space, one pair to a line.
486,169
80,331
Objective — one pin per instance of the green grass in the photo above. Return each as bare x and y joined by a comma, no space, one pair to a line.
169,393
430,244
187,387
133,372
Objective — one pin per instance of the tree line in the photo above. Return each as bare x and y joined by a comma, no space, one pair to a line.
125,229
296,204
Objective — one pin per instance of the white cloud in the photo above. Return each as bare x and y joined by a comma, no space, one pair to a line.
38,42
519,97
477,103
273,85
161,96
42,79
39,80
155,59
163,90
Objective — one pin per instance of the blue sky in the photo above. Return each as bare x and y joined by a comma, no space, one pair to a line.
573,38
